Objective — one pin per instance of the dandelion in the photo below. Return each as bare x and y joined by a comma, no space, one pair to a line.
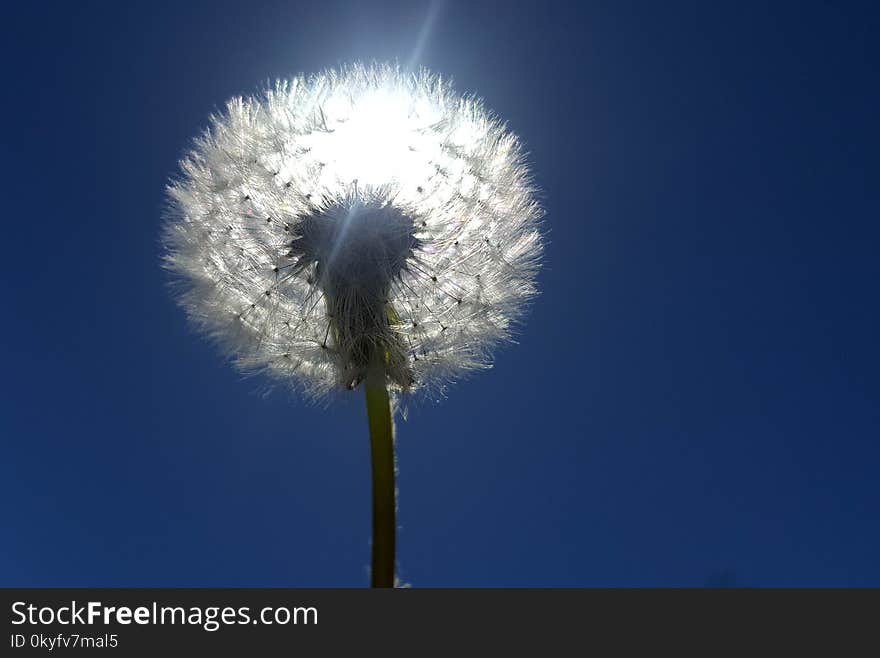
366,225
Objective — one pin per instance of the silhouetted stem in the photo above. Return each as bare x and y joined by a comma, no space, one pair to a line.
382,457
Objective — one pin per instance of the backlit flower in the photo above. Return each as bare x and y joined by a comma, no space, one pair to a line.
353,218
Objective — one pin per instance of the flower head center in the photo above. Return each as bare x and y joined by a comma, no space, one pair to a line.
356,250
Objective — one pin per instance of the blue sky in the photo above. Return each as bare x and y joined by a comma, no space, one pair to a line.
694,398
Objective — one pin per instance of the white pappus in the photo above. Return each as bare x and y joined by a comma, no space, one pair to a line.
359,218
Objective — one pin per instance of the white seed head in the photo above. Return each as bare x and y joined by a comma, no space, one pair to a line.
355,219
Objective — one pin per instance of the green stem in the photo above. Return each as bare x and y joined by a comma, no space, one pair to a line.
382,457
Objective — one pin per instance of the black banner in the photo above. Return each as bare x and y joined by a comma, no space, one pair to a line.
135,622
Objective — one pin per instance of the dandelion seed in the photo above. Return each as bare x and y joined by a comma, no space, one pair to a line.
362,225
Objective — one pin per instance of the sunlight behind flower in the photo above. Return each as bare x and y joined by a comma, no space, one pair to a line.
376,139
352,209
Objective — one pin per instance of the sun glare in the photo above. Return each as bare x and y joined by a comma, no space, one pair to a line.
376,138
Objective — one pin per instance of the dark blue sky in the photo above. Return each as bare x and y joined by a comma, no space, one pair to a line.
694,398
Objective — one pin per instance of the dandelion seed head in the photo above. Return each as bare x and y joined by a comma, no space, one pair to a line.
352,216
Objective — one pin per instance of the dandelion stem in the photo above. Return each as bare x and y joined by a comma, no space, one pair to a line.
382,457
